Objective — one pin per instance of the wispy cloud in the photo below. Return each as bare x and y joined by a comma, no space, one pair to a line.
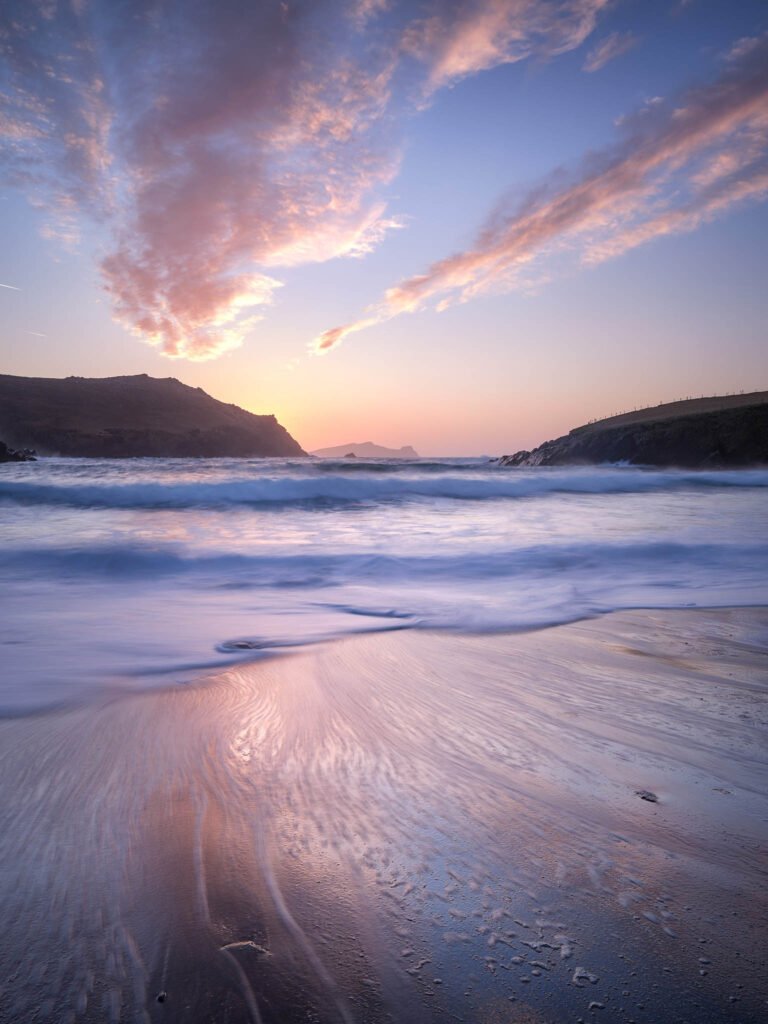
362,11
676,167
460,39
220,141
609,49
10,287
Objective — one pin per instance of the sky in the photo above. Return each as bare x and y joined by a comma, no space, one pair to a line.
464,225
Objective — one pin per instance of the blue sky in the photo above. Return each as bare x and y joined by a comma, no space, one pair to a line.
414,223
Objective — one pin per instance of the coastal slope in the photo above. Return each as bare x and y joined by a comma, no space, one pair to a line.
119,417
718,432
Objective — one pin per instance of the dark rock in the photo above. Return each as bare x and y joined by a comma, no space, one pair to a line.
350,455
16,455
518,459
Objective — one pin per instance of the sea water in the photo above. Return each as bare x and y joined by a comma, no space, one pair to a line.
146,572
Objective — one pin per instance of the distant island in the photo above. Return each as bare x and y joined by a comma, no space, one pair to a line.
365,450
698,433
122,417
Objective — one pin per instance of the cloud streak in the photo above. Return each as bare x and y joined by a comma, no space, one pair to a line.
676,167
461,39
608,49
218,142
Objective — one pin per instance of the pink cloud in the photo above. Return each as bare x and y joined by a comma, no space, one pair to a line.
677,167
464,38
608,49
220,141
363,11
334,337
215,141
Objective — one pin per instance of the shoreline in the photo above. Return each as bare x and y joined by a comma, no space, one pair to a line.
407,826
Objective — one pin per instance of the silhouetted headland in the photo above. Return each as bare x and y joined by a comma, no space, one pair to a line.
717,432
122,417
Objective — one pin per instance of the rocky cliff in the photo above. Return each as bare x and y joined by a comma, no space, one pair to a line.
118,417
697,434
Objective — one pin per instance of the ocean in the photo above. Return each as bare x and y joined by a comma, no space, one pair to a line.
139,573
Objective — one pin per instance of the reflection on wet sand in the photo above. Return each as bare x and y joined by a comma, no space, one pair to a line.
408,827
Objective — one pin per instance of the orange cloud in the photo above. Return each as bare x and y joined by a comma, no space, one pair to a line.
334,337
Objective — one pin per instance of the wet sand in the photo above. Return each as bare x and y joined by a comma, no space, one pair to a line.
404,827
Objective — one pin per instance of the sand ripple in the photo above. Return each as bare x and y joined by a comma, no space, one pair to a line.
406,827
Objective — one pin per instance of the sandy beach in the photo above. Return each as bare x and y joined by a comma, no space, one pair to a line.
561,825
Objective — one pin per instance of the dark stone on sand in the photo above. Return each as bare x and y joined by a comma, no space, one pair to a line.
243,645
706,433
646,794
162,996
132,417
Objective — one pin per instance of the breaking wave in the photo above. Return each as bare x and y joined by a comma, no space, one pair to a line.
323,488
648,561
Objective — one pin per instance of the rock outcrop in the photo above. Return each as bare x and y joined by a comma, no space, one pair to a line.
120,417
727,431
13,455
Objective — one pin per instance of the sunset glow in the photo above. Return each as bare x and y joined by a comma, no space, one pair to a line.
383,475
264,182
